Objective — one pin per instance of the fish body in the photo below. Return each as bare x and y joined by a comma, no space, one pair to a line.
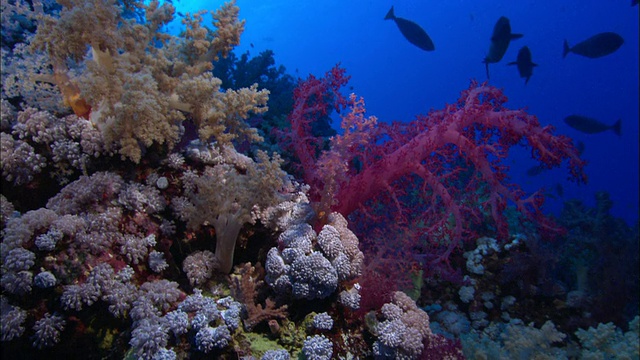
589,125
596,46
524,63
500,40
412,32
536,170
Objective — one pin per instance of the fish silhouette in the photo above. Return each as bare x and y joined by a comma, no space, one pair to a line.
525,65
596,46
536,170
589,125
500,40
412,32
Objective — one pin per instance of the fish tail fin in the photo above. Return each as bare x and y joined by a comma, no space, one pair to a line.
390,14
617,127
527,80
513,63
516,36
486,64
565,49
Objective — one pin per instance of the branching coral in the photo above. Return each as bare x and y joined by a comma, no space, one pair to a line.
244,285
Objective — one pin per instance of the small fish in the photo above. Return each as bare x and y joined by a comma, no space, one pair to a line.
500,40
559,190
536,170
412,32
525,65
596,46
589,125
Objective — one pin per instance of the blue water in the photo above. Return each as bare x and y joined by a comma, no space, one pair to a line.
399,80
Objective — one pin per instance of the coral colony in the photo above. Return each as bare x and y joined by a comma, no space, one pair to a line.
144,218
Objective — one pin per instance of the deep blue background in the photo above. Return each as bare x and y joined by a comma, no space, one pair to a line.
398,80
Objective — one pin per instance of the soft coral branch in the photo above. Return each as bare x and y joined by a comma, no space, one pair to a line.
445,170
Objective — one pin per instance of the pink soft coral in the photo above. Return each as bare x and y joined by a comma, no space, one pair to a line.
441,176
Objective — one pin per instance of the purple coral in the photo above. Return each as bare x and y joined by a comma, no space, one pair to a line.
44,280
74,297
199,266
165,354
403,331
157,263
47,330
313,277
323,321
209,338
20,162
276,355
135,249
177,321
351,298
12,319
148,337
143,310
120,297
17,283
231,312
80,195
48,240
19,259
310,266
162,293
141,198
317,347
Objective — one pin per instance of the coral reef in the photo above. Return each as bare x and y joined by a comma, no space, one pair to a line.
140,220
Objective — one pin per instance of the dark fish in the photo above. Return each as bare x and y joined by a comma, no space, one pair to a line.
525,65
412,32
536,170
559,190
589,125
500,40
596,46
634,2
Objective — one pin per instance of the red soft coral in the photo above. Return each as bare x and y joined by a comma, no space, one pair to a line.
442,175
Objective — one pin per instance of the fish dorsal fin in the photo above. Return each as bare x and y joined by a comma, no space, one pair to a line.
390,14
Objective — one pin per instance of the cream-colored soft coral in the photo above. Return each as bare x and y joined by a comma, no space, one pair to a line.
226,196
137,92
